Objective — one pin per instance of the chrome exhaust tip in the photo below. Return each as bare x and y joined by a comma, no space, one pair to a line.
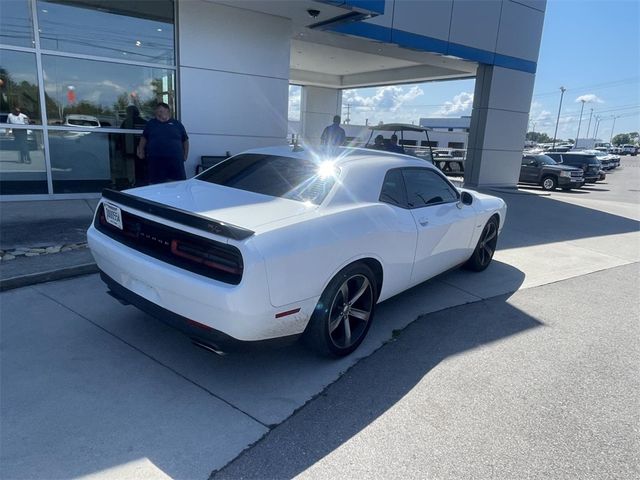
208,347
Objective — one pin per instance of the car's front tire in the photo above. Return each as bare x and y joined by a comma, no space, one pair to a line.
549,183
344,312
485,248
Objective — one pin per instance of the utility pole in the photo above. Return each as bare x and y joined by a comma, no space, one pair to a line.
614,126
575,144
595,133
555,134
589,126
348,119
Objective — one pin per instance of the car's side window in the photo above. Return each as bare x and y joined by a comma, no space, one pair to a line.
425,187
393,190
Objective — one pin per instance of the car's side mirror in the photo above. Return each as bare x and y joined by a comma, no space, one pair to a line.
466,198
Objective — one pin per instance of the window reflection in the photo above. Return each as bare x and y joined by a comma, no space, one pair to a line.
130,30
91,94
86,161
15,23
19,85
22,164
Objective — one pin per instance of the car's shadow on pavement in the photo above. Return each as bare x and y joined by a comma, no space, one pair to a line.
534,219
378,384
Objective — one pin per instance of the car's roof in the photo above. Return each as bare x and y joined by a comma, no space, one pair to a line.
343,156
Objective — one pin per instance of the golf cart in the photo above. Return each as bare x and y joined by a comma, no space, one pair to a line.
409,138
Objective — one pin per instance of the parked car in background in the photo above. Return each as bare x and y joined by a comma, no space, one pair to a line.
608,161
546,172
588,162
629,150
276,243
76,120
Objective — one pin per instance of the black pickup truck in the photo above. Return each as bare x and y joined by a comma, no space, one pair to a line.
544,171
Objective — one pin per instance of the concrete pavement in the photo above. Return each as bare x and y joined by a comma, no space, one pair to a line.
91,388
541,384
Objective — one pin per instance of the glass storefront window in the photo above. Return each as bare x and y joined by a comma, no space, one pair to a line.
90,93
15,23
85,161
140,31
23,168
19,85
105,64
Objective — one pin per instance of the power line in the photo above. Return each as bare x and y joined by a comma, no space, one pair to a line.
611,84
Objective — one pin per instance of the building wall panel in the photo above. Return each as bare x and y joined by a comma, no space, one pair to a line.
218,37
515,20
430,18
475,23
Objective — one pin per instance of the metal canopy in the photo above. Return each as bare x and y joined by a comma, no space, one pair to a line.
324,58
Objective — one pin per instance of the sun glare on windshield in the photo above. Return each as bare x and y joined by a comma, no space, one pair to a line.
327,169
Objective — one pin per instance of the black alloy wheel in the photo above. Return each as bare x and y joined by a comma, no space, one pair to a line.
486,247
344,313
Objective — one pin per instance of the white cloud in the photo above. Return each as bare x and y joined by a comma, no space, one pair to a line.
542,118
295,93
460,105
590,98
386,99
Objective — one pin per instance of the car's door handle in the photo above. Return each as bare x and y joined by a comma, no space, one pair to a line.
424,222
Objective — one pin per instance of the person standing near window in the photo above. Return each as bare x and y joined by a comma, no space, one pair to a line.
334,135
16,117
165,146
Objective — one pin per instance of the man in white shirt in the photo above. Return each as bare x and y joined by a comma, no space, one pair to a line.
16,117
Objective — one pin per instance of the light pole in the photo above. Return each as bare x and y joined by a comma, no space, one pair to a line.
614,126
575,144
562,90
589,126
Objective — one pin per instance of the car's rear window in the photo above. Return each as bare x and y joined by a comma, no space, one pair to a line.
285,177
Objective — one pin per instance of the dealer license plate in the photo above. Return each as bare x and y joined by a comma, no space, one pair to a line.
113,215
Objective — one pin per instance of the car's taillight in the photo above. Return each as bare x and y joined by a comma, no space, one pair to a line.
197,254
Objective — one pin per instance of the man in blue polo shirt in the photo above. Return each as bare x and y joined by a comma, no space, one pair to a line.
165,145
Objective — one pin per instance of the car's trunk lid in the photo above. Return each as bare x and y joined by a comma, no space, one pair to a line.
230,205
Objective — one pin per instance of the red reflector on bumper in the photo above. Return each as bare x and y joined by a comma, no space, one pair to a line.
193,323
284,314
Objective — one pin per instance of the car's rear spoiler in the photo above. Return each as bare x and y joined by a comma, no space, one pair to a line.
179,216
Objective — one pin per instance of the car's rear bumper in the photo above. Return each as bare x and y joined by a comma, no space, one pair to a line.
202,335
242,312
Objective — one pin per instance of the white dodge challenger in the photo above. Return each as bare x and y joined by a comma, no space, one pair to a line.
272,244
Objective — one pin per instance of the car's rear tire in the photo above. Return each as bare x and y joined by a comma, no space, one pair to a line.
549,183
344,312
485,248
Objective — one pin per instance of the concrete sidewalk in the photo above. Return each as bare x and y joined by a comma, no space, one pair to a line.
44,240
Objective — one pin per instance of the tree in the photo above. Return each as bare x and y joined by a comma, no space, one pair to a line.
539,137
621,139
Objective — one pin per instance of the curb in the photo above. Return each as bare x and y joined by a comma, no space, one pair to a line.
48,276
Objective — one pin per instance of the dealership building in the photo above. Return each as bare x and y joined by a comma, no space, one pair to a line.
87,74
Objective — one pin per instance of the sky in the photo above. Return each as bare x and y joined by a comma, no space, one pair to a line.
591,47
